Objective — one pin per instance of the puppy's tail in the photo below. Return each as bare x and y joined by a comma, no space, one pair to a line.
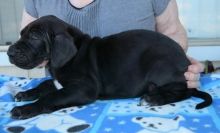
203,95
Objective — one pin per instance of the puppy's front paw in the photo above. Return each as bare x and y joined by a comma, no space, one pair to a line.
24,112
24,96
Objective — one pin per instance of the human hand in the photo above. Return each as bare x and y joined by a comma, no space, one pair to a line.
193,73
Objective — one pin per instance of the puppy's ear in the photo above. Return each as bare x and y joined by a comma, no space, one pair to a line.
77,34
62,50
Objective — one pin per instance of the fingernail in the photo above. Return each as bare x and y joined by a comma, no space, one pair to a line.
186,74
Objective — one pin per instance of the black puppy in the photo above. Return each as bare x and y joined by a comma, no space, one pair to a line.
125,65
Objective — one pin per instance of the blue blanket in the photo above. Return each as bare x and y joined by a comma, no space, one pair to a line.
113,116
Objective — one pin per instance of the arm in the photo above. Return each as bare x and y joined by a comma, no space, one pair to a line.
169,24
26,19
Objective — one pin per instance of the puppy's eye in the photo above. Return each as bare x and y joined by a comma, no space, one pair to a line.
35,33
35,36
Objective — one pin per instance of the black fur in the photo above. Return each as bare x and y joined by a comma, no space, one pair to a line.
125,65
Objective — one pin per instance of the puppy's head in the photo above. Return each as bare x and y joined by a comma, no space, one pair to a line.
45,40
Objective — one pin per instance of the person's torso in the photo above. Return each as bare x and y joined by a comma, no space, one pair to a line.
102,17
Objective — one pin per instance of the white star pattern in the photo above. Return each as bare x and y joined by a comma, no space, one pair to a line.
94,114
92,105
108,129
196,120
95,108
111,118
193,128
207,125
213,78
121,122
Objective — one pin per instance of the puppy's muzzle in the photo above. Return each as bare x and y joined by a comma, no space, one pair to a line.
17,56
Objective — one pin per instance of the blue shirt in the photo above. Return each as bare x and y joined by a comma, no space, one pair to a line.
101,17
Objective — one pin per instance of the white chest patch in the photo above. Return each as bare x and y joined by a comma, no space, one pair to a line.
57,84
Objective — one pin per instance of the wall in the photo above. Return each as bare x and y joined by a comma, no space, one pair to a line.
10,18
201,18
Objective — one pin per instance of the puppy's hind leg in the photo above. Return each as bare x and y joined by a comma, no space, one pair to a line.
151,95
166,94
41,90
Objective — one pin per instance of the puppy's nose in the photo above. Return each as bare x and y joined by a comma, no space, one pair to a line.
11,51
